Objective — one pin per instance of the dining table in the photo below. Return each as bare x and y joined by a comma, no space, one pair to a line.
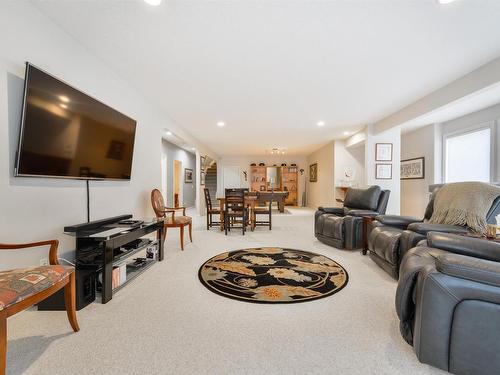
250,201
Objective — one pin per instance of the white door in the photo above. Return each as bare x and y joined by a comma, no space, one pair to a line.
231,177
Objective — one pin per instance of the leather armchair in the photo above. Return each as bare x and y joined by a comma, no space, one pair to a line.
342,227
448,303
390,236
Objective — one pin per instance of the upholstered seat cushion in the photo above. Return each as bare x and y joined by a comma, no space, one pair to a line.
261,209
424,228
19,284
179,220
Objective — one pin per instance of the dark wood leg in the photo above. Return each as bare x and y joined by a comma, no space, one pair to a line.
182,236
366,223
107,274
222,220
270,219
3,342
161,242
208,220
70,302
191,232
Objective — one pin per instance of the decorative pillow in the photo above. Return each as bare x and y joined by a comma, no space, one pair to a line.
364,199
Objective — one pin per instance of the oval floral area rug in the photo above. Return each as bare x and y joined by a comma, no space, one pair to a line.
272,275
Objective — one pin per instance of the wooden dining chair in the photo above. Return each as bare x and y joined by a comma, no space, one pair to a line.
264,209
235,211
211,210
23,288
171,219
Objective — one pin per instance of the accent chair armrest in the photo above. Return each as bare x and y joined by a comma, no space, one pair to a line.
362,213
54,244
469,268
463,245
397,221
332,210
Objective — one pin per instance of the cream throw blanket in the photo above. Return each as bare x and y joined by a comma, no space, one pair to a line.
465,204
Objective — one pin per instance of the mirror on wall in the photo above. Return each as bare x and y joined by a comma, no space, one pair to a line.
273,177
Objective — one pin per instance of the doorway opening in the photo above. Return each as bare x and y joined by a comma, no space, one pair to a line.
177,183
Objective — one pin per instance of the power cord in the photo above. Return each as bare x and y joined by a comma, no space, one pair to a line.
67,261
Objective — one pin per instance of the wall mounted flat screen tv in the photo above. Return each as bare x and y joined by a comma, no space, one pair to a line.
67,134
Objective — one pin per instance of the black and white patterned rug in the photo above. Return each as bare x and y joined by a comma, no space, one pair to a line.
272,275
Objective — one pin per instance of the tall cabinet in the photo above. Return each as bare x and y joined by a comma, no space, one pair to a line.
285,179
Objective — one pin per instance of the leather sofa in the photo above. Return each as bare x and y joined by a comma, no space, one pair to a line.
342,227
448,303
391,236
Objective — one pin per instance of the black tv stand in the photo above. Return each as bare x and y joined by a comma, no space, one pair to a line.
97,243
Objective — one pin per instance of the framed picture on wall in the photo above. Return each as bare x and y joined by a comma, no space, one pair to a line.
313,172
383,152
383,171
413,169
188,176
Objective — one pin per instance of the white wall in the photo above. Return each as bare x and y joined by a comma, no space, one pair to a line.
36,209
352,158
390,136
244,163
322,192
415,193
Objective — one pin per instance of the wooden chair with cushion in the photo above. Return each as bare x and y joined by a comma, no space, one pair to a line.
210,210
23,288
171,220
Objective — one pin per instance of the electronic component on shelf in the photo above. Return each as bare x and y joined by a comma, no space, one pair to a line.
130,222
140,242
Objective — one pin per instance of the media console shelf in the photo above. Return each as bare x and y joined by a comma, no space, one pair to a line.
99,243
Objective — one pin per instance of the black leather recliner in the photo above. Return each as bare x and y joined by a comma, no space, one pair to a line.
391,236
448,303
342,227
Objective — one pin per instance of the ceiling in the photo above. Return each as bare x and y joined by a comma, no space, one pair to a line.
272,69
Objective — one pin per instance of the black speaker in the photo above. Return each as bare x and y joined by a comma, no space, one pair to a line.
85,293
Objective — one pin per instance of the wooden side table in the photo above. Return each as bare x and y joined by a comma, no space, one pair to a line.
367,220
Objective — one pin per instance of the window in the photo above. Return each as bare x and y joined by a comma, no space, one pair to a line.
468,156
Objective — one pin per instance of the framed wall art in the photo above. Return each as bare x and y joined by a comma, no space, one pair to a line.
413,169
313,172
383,171
383,151
188,176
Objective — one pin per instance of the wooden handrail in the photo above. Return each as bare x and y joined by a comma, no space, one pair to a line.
54,244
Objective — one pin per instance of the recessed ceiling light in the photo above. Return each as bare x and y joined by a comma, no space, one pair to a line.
64,99
63,105
321,123
346,133
168,133
153,2
193,148
445,1
221,124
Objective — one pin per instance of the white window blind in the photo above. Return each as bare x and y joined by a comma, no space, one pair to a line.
468,156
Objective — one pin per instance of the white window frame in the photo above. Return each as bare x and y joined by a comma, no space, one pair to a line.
472,129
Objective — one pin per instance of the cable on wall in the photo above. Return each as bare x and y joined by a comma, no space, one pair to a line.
88,200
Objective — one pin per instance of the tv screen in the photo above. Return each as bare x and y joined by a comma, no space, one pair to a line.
67,134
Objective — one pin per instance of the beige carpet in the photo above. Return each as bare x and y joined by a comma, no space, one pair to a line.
166,322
